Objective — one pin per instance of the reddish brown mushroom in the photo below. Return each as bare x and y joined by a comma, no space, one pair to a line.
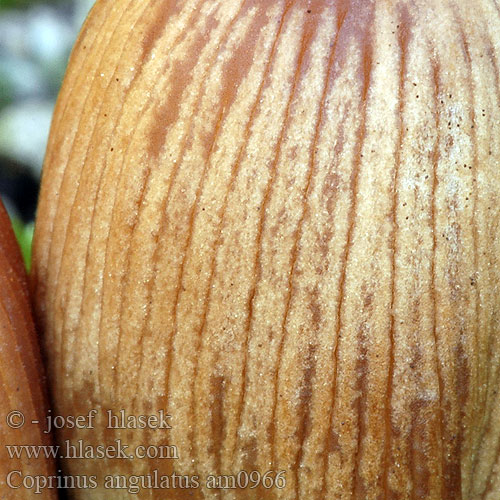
23,395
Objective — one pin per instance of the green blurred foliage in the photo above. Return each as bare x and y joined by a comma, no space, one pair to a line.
24,235
22,4
6,91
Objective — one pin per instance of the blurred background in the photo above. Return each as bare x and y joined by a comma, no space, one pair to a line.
36,37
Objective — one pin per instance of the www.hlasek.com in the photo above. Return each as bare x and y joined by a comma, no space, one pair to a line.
80,451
